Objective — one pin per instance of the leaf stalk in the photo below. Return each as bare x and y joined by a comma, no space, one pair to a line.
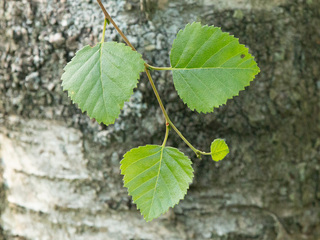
104,29
157,96
166,136
158,68
108,17
147,70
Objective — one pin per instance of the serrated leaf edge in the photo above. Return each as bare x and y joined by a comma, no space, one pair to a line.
134,149
173,69
236,95
128,49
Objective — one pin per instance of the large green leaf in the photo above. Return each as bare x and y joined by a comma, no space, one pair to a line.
209,66
101,78
157,177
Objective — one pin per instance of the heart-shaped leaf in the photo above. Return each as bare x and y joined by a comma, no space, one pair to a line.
209,66
157,177
101,78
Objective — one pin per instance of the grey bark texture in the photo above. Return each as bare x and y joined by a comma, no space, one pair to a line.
60,170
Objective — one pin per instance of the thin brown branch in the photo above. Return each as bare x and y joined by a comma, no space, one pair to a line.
107,16
147,67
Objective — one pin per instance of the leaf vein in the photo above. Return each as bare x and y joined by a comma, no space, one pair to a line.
185,47
195,93
219,51
249,59
166,188
173,175
103,94
85,103
142,159
141,173
83,64
242,50
223,84
143,194
207,87
200,48
116,82
155,186
84,80
180,165
209,68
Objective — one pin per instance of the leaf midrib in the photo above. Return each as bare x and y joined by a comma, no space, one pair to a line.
158,174
104,101
219,148
210,68
219,151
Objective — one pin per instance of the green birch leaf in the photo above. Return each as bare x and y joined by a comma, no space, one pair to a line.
209,66
219,149
157,178
101,78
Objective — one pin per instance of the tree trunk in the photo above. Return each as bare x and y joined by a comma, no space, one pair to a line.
60,170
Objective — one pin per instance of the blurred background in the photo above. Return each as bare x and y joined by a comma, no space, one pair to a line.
60,176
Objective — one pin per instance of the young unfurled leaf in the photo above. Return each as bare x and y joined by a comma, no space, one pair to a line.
209,66
101,78
219,149
157,177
